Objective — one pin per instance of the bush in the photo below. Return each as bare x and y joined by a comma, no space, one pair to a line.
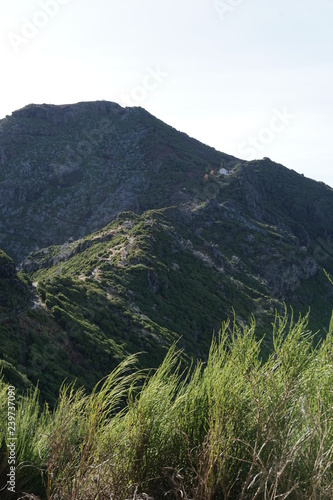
233,428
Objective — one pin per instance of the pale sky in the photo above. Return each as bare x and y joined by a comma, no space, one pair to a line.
251,78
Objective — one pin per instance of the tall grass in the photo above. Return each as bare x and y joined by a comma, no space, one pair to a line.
232,428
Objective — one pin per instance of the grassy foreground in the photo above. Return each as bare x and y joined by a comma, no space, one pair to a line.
232,428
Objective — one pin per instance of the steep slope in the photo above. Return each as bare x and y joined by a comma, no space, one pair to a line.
147,237
301,210
16,298
169,275
66,171
273,194
14,290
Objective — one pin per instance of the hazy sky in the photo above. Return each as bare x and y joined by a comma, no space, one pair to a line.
251,78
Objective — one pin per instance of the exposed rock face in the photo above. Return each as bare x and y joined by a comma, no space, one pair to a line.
309,268
283,278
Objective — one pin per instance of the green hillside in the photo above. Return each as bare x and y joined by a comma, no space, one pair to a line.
125,238
146,281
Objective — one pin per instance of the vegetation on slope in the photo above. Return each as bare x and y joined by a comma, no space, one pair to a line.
146,281
14,290
198,241
69,170
231,428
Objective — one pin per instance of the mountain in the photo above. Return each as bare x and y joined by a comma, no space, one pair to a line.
67,171
129,235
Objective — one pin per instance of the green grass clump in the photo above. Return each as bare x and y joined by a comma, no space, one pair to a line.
235,427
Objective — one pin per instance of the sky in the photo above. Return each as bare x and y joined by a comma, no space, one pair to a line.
251,78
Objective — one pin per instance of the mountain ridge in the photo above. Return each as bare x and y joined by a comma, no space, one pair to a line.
129,235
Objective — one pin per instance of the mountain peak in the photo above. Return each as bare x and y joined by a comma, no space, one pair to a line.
72,168
51,111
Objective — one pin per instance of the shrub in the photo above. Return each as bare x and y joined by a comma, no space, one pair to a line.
233,428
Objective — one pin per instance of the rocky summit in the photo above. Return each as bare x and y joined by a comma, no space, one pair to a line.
128,235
